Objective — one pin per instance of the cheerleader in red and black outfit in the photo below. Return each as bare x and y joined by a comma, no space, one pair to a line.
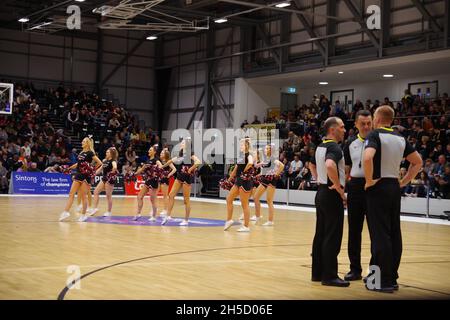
151,172
185,173
109,176
82,180
243,187
269,178
256,178
169,171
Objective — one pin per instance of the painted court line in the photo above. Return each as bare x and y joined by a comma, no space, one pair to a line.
237,202
194,262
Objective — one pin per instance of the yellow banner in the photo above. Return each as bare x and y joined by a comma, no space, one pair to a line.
261,132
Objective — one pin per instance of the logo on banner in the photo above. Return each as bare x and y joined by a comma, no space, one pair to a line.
119,186
40,183
133,188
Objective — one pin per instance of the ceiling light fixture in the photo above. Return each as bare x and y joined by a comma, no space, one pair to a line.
323,83
283,5
221,20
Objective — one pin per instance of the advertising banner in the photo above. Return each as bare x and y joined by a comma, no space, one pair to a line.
119,186
40,183
133,188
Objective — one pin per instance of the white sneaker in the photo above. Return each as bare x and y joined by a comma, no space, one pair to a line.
166,219
91,211
228,225
107,214
241,217
64,215
82,218
79,207
268,224
163,214
137,217
184,223
243,229
152,219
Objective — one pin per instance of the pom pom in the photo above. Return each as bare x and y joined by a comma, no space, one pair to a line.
87,170
185,170
226,184
111,177
249,174
64,169
130,177
152,171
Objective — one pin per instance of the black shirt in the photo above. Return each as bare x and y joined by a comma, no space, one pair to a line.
391,148
147,171
329,149
242,163
107,166
180,162
166,169
85,156
152,161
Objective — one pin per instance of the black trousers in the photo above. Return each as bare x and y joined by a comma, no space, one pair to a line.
357,209
328,237
383,210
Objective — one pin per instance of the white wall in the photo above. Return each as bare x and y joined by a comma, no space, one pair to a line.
253,99
47,59
188,77
394,89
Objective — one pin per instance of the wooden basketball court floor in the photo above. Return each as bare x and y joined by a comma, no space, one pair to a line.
149,262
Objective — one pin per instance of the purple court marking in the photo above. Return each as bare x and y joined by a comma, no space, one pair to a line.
143,221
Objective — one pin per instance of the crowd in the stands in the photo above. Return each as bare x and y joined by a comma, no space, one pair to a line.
45,127
41,134
424,122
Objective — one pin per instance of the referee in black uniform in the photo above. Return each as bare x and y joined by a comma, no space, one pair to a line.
383,153
356,198
328,167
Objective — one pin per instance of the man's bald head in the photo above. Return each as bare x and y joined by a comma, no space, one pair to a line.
334,128
384,115
329,123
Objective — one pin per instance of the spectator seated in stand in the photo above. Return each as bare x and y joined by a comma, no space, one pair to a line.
29,142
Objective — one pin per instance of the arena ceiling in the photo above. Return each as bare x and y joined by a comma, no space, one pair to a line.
237,12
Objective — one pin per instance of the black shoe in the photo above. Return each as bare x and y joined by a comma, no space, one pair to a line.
382,289
365,278
352,276
338,282
395,285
